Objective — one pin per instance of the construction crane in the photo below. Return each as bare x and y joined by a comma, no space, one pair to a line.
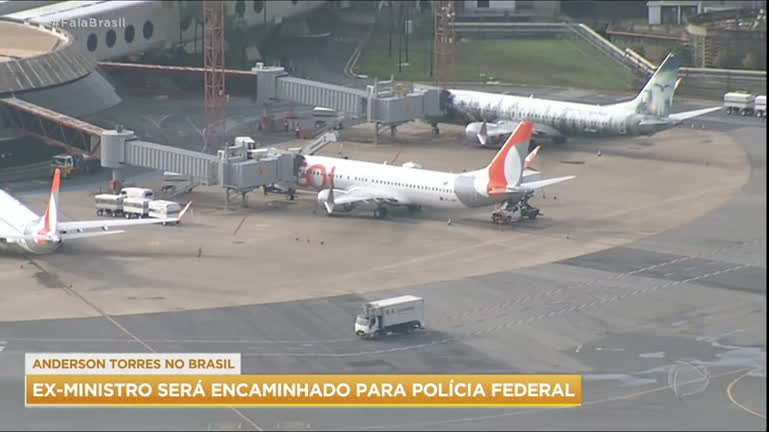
444,51
213,62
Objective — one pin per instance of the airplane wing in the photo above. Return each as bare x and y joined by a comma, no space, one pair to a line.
359,195
534,185
61,235
691,114
79,235
64,228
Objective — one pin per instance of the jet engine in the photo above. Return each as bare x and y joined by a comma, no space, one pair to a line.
329,205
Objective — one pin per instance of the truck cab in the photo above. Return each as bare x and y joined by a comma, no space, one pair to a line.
365,325
70,165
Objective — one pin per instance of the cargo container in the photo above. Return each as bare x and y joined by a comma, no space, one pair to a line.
136,208
162,209
739,103
109,204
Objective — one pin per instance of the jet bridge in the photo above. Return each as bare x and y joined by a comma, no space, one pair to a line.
383,103
233,168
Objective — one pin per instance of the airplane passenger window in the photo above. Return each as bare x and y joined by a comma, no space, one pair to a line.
148,29
92,42
111,38
129,33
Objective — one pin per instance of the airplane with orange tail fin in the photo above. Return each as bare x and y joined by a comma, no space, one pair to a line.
344,184
23,230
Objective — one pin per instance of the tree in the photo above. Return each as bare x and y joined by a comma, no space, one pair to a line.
685,53
723,60
235,36
755,60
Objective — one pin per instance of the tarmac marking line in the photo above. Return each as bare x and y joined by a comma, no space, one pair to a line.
536,410
730,395
242,220
106,316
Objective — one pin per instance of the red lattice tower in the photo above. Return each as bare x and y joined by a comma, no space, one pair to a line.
213,62
444,57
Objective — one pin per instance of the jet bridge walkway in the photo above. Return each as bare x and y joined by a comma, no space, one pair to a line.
384,103
55,129
234,168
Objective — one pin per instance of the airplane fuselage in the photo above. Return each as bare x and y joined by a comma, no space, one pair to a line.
412,186
567,118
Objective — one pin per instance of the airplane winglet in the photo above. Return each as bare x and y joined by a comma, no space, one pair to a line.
530,157
483,134
184,210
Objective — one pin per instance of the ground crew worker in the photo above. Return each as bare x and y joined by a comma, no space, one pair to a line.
285,124
297,129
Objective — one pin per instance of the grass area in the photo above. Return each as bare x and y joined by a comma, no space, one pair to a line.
557,62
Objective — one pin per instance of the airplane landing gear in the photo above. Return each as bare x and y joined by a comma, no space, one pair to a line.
436,130
527,210
380,212
414,208
513,211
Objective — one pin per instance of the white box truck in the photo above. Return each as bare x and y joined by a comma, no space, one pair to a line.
392,314
162,209
136,208
137,192
109,204
739,103
760,106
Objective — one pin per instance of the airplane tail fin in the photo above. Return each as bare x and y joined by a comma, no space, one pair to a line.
656,98
47,227
506,169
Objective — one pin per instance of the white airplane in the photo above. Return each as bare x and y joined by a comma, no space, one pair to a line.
23,230
344,184
494,116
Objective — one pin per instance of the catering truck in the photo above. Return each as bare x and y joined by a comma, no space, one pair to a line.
392,314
